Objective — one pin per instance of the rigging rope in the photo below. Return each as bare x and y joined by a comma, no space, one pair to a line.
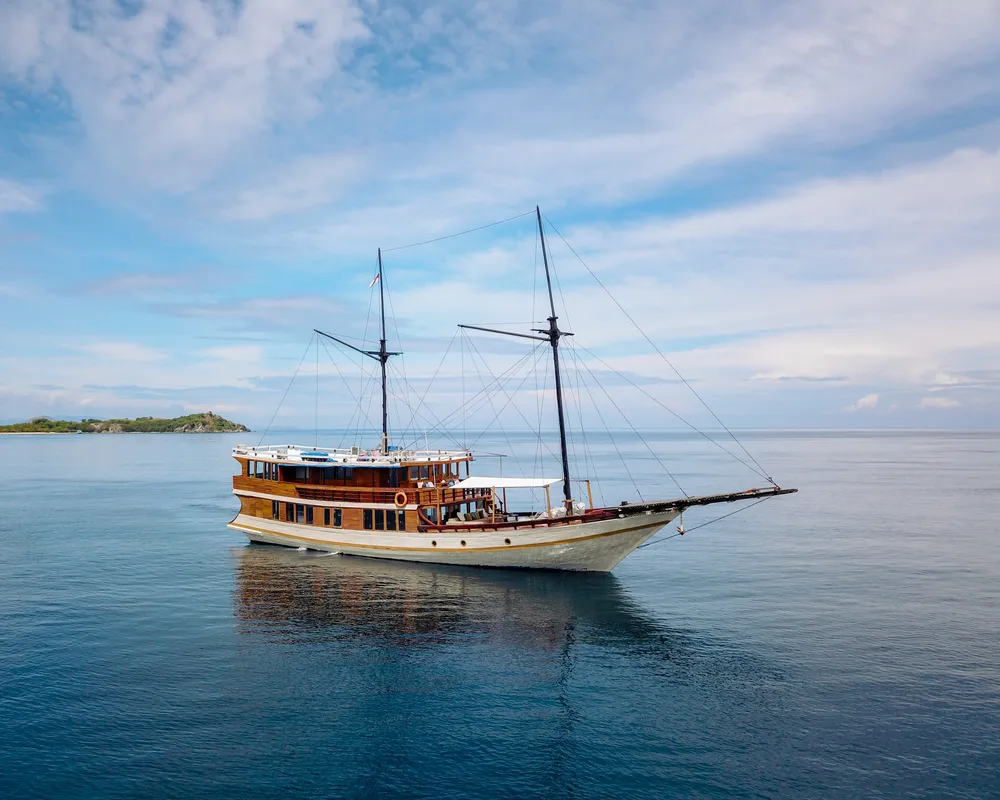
420,401
611,438
364,374
477,397
301,360
460,233
347,386
429,418
621,308
509,397
629,423
496,415
702,525
667,408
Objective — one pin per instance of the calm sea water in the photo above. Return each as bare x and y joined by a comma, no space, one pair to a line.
841,642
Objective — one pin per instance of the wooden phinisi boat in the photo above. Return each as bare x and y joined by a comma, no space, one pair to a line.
427,505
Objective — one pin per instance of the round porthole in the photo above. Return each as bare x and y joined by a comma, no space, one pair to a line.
434,543
506,541
462,542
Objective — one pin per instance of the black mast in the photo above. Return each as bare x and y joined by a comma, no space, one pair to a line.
381,355
552,335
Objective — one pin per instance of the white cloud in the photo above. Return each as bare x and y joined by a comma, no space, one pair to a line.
677,87
174,90
308,182
314,128
865,402
18,197
938,402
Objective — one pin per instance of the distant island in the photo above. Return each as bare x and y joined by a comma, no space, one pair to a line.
192,423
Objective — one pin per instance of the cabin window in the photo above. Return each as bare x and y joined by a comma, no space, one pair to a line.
326,517
379,519
338,517
275,509
260,469
249,471
300,513
431,514
300,473
348,473
309,515
289,512
394,477
401,520
390,520
424,473
413,473
367,519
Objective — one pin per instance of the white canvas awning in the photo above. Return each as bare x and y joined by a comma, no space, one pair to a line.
486,482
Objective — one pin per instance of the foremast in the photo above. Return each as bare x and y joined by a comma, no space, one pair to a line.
382,355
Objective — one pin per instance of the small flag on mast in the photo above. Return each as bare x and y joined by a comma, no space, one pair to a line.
374,280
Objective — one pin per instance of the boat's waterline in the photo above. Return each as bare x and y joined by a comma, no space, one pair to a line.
586,547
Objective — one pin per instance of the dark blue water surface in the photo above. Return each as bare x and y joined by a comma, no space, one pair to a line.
841,642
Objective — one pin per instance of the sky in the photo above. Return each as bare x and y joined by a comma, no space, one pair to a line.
798,203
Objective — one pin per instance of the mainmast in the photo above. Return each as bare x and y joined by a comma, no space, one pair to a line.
382,355
552,335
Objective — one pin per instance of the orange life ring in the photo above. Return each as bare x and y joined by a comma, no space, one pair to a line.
400,499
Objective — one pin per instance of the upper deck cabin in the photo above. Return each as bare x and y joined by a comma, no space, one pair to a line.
420,481
354,467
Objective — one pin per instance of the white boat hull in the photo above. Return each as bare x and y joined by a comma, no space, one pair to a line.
585,546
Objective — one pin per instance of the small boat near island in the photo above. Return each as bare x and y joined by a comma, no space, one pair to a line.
427,505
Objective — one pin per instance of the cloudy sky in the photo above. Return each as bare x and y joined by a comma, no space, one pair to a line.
798,202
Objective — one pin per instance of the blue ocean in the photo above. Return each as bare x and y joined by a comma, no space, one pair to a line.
840,642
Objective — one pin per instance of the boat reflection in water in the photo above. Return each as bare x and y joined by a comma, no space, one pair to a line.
288,595
474,682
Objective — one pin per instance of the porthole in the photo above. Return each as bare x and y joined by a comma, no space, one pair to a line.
434,543
506,541
462,543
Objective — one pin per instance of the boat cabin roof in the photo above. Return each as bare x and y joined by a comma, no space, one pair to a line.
352,456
